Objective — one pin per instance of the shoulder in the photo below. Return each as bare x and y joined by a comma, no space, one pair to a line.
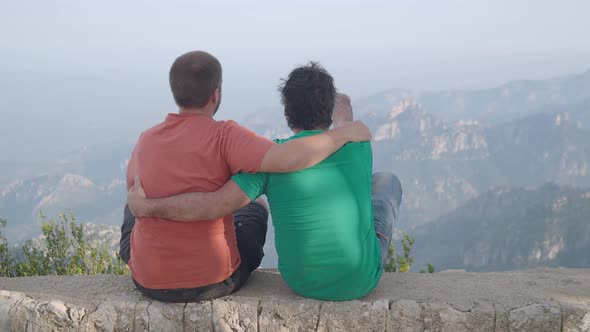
228,124
151,131
170,122
226,130
234,131
231,126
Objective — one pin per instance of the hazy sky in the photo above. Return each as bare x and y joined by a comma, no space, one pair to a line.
100,68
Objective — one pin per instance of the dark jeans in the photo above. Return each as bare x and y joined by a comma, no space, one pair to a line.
251,225
387,197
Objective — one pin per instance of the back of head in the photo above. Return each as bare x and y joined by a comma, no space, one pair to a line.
194,76
308,96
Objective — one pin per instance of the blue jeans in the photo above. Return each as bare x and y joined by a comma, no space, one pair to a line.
387,197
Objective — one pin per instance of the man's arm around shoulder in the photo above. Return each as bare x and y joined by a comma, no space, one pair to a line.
308,151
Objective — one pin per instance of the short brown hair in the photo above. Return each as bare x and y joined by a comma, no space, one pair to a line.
194,76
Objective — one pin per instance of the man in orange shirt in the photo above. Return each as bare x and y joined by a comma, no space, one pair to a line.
176,261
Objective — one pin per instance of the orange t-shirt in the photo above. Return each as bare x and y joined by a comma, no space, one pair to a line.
189,153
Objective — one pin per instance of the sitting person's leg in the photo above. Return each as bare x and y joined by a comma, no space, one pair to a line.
251,226
126,228
387,197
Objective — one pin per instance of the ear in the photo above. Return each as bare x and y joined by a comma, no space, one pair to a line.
214,99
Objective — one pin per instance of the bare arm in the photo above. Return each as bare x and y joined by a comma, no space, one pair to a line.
188,206
308,151
342,115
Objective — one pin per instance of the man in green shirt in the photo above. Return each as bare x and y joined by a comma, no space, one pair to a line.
333,222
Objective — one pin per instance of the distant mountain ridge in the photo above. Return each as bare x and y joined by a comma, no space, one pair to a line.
503,103
511,228
98,195
442,164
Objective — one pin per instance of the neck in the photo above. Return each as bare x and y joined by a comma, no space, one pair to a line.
297,130
201,111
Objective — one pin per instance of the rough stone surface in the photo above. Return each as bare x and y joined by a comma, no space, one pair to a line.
535,300
235,314
353,316
284,315
575,317
198,317
405,316
536,317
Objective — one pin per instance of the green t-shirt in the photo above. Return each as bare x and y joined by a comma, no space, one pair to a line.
323,220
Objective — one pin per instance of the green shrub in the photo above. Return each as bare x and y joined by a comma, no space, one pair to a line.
64,250
403,263
6,263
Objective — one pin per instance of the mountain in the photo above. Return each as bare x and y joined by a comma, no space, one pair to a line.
510,228
22,200
506,102
542,147
89,182
431,158
447,147
579,112
442,164
450,146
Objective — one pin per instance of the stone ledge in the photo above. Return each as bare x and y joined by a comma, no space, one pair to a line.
535,300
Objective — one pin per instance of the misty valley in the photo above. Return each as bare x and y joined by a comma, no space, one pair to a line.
494,179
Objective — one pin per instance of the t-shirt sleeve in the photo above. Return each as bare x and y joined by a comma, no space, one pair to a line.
243,149
253,185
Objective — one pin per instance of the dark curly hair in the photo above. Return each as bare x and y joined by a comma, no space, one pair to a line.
308,96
